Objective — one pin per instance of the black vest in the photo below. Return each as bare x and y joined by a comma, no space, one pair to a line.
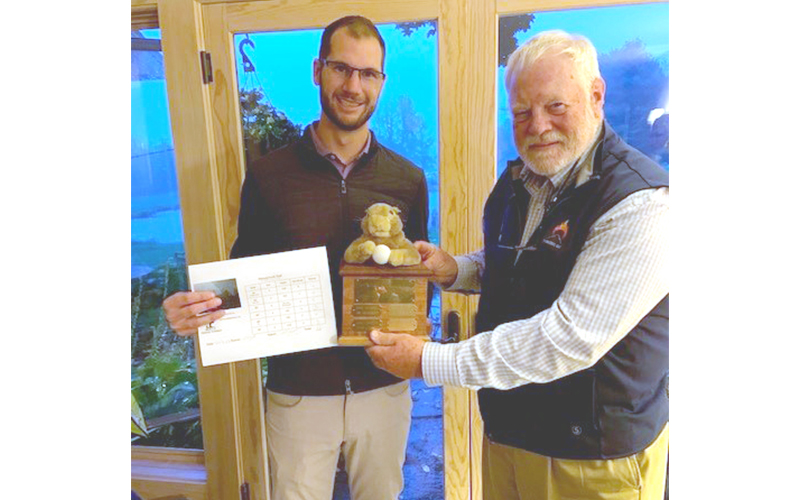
616,407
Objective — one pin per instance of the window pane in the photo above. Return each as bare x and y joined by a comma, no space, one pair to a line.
632,43
163,373
279,99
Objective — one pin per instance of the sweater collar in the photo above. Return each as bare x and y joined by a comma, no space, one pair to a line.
307,147
326,152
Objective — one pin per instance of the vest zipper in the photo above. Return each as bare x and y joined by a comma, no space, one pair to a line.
347,388
344,210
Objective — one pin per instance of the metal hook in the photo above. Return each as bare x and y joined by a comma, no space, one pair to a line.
246,62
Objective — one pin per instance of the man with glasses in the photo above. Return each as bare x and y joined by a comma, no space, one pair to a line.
572,359
311,193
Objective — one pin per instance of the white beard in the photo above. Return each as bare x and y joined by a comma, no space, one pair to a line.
569,149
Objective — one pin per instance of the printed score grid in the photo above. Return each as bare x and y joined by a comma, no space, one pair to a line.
280,305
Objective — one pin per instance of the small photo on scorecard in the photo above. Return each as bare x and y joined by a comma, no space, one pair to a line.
227,290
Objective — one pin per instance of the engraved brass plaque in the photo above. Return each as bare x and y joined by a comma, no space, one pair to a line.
401,324
386,303
400,310
384,291
366,310
392,300
365,325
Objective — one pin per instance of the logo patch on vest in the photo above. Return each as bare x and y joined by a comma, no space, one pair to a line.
557,236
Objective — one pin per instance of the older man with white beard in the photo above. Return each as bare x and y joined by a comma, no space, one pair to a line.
572,359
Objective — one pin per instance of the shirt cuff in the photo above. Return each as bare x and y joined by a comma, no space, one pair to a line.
466,279
439,364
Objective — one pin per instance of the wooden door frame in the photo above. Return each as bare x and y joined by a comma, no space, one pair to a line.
458,45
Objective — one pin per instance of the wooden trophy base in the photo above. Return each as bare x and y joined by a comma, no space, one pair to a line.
386,298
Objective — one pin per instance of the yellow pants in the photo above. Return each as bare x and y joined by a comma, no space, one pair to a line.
515,474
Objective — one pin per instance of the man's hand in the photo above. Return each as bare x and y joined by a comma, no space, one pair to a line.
397,353
182,311
443,265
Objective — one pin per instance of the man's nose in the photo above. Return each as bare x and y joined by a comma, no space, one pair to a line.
538,124
353,82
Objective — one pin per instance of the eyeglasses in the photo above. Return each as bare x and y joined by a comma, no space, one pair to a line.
344,71
504,241
519,248
511,224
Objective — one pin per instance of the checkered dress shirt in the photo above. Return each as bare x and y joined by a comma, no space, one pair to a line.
324,151
619,276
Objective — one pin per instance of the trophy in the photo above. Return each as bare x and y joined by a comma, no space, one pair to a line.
385,283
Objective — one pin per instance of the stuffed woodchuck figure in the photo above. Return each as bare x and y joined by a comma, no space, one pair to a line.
382,240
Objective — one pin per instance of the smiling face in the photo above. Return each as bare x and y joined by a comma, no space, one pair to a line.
555,117
346,101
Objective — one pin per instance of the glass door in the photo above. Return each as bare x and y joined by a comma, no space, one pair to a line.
278,100
163,370
210,156
262,96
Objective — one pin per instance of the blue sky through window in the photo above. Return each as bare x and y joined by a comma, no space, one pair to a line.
413,71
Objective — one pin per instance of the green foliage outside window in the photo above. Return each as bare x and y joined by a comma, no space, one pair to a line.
264,127
163,369
163,373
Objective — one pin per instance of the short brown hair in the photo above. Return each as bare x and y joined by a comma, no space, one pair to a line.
357,27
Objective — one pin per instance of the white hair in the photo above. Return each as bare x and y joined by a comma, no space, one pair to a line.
553,42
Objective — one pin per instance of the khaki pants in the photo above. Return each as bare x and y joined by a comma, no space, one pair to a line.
514,474
305,434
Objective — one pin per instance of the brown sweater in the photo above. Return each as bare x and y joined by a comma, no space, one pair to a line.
294,198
